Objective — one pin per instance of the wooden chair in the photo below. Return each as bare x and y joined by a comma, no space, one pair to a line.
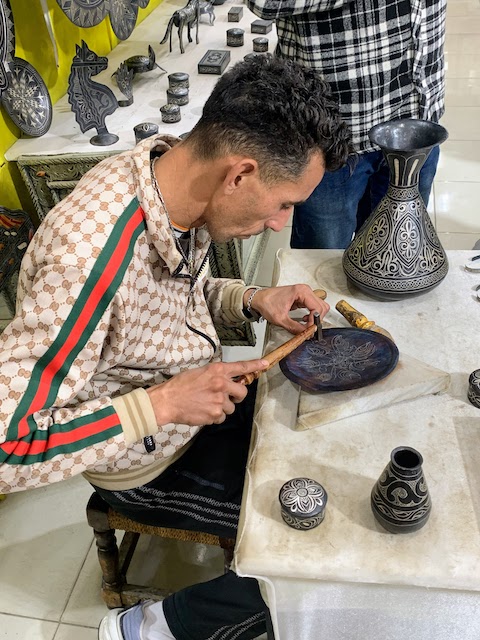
16,231
114,560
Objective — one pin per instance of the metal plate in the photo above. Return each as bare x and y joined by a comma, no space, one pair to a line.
344,359
142,3
7,42
123,16
84,13
27,100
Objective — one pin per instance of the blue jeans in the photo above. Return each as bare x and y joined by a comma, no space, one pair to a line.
345,198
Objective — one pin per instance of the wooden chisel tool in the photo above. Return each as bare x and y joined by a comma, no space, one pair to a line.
357,319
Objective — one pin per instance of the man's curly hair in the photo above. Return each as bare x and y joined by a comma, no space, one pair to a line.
276,112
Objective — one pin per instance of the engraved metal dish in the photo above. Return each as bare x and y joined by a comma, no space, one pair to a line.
26,99
344,359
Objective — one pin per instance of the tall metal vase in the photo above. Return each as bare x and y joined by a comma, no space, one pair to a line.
397,253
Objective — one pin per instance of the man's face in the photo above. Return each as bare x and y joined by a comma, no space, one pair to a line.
252,206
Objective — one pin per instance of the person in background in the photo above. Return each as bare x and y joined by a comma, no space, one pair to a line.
383,61
112,365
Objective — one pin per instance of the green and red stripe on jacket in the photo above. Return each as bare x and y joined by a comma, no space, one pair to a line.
25,443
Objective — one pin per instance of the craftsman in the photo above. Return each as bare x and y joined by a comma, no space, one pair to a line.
383,61
112,363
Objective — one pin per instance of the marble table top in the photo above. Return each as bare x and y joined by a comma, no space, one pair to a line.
347,456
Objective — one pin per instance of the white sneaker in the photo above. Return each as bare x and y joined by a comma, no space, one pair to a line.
109,628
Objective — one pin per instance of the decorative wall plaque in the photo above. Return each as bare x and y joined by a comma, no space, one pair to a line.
123,16
26,99
84,13
215,61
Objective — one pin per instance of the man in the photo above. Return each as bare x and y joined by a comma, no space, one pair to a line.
383,61
112,364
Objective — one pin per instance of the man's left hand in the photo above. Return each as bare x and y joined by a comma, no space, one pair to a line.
275,303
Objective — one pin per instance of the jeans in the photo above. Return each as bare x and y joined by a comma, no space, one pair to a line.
345,198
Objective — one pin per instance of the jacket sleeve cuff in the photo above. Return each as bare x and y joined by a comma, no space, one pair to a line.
232,303
136,415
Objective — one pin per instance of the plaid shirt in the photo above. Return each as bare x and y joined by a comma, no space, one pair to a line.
382,58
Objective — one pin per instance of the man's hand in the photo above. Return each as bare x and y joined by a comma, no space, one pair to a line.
202,396
275,304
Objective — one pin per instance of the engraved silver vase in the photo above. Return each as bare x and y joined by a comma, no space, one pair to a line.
400,499
397,253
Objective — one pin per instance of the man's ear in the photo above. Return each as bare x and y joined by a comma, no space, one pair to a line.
238,174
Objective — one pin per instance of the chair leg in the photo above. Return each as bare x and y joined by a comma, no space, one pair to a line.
228,546
108,556
10,294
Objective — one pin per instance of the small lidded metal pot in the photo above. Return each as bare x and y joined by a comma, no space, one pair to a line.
474,388
170,113
260,45
178,79
302,503
177,95
235,37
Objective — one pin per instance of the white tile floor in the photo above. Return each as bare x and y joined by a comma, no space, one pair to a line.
49,574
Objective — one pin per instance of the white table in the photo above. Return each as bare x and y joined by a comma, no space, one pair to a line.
349,579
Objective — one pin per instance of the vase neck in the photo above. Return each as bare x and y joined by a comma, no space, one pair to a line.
405,166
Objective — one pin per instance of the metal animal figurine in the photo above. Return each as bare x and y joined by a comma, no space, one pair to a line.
124,77
206,9
143,63
187,15
91,101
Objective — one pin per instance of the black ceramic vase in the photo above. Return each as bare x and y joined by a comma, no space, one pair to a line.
397,253
400,499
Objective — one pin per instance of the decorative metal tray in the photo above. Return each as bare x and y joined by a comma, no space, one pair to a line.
26,99
343,359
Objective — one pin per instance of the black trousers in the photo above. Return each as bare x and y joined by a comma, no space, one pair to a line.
202,491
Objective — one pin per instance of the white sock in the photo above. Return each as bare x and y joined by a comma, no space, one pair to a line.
154,625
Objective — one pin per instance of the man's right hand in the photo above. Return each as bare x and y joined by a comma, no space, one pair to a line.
202,396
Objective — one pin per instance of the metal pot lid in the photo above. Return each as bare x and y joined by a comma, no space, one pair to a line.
344,359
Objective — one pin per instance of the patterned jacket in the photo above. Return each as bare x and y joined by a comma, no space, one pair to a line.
382,58
105,308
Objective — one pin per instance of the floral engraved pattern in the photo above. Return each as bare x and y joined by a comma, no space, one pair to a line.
27,100
397,251
303,497
341,359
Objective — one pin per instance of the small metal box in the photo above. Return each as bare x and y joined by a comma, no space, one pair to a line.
235,14
215,61
261,26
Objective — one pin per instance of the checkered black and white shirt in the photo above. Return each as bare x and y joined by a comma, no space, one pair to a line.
382,58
